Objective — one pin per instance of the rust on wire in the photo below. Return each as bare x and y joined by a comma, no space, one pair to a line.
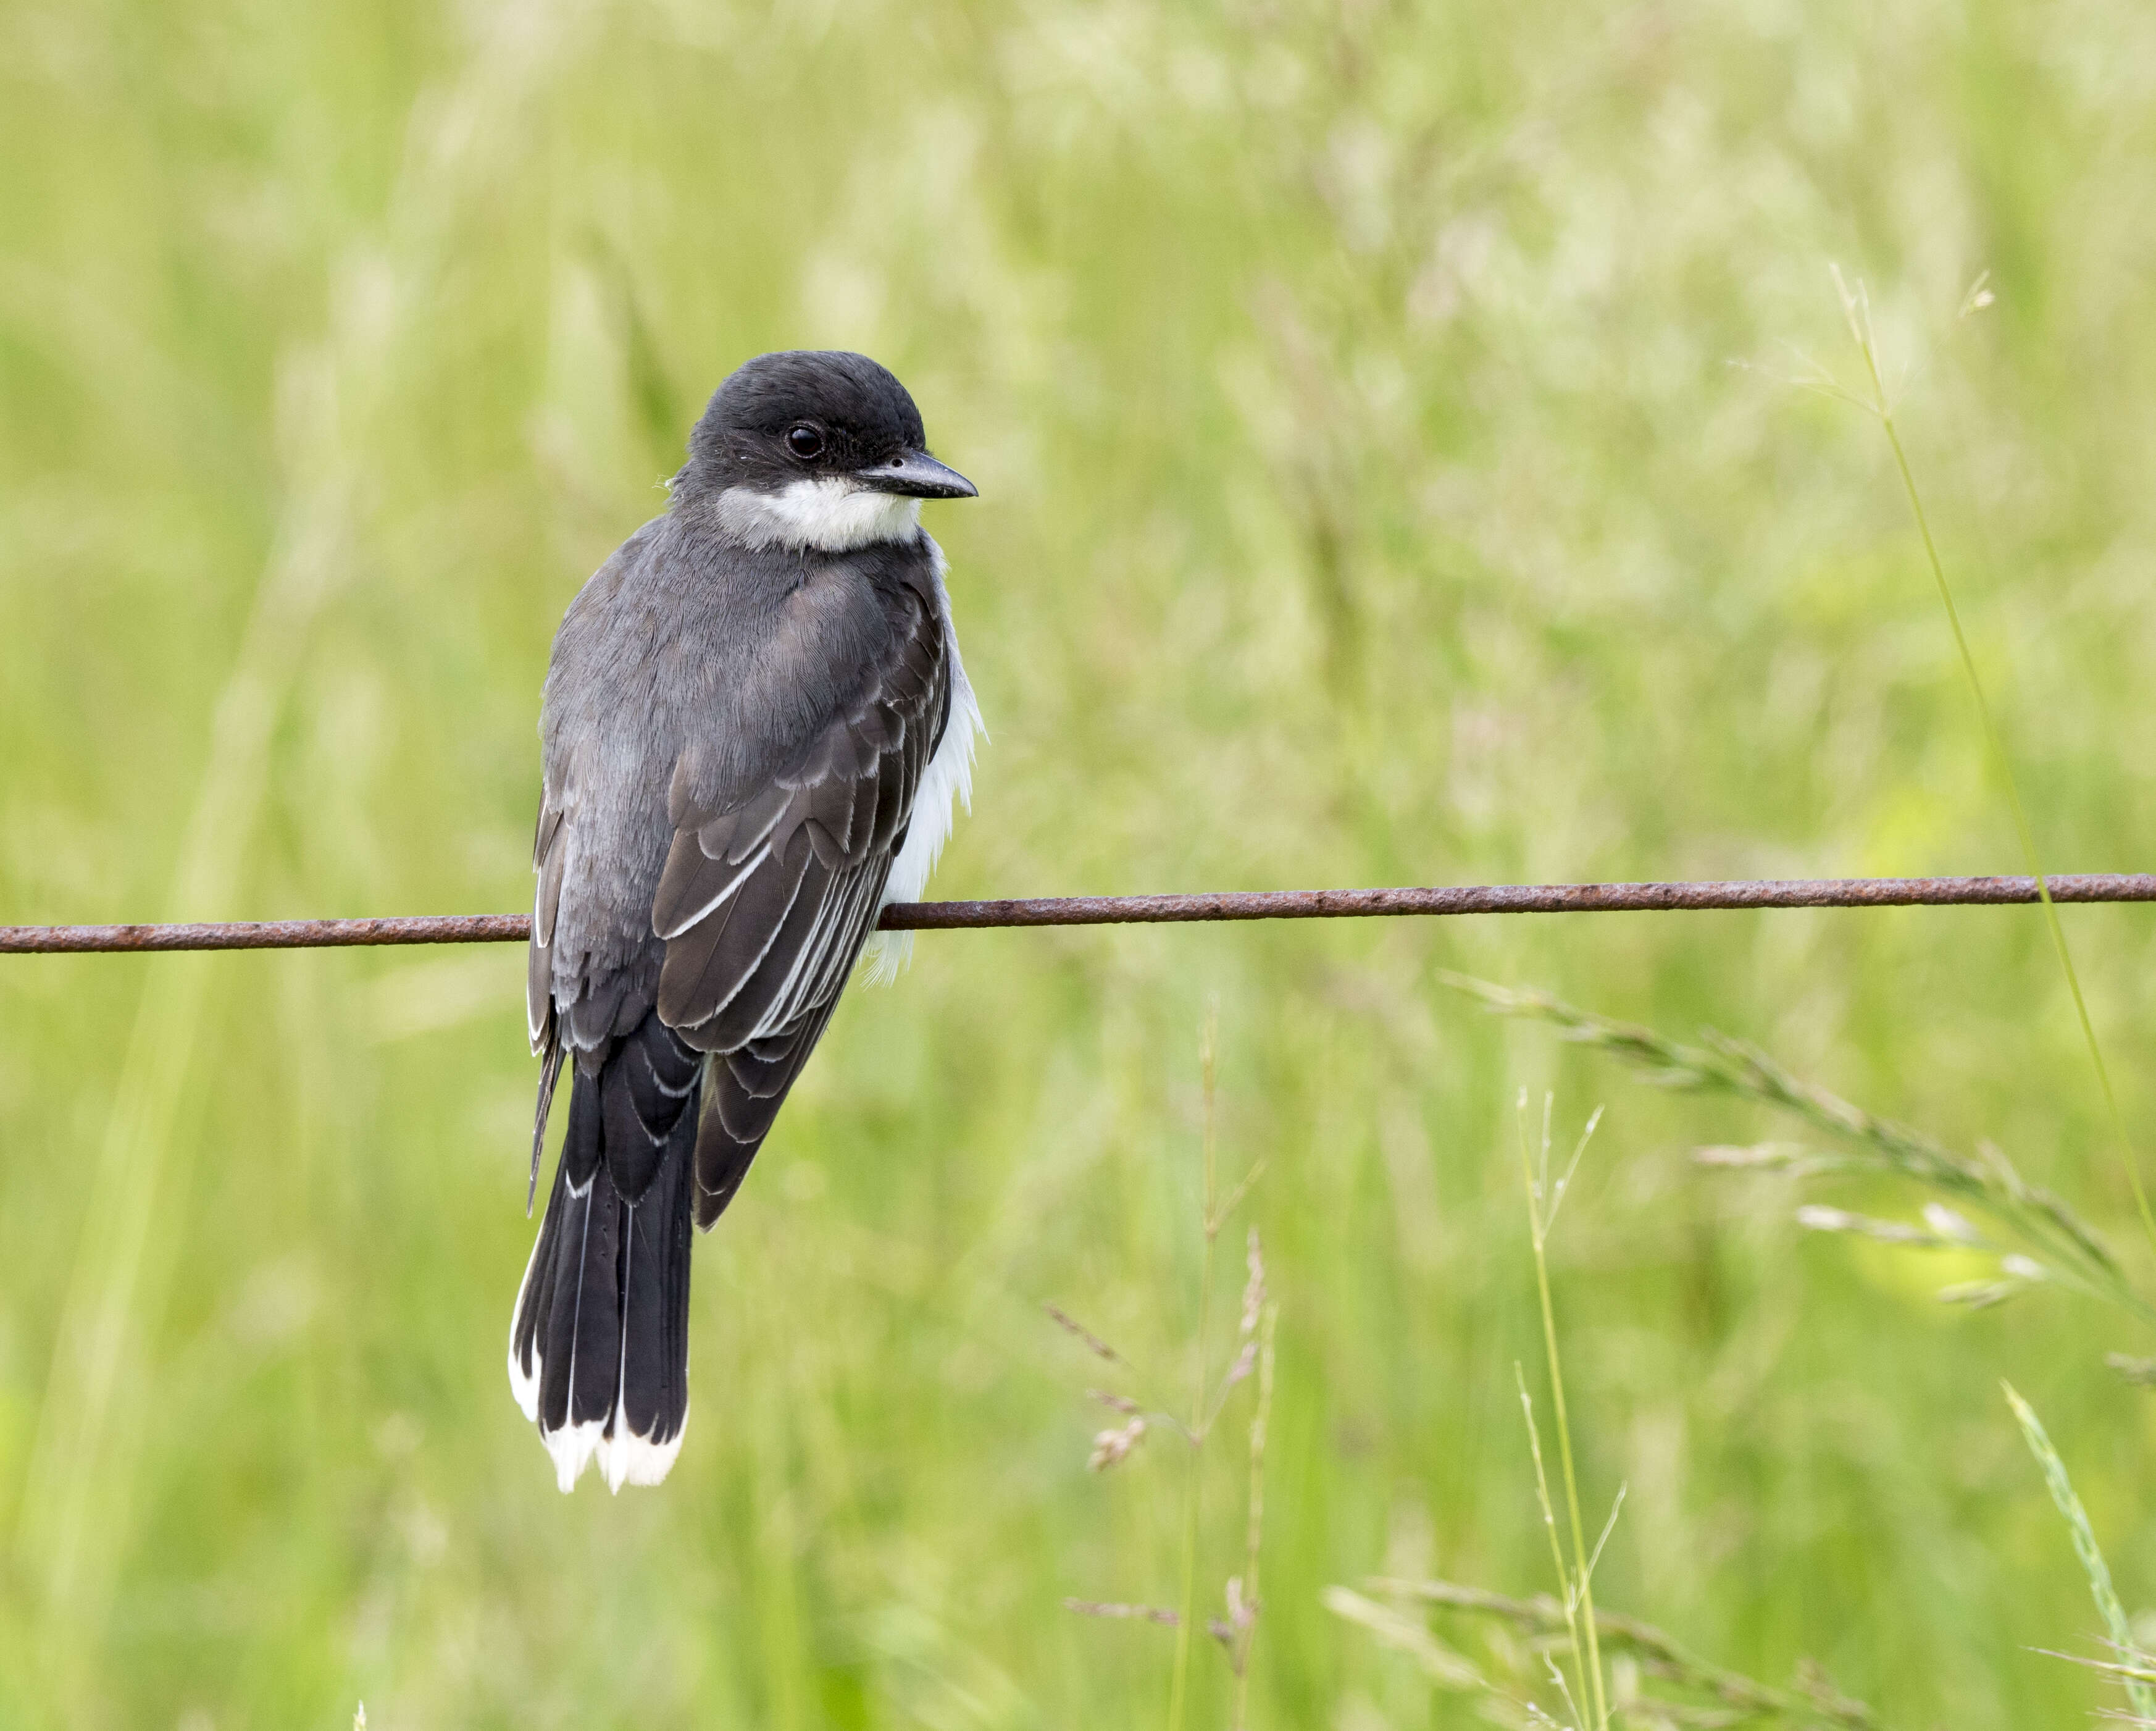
1158,910
271,934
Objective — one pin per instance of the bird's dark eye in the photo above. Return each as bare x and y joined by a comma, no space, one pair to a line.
804,442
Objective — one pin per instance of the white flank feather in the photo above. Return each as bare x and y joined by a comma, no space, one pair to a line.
947,780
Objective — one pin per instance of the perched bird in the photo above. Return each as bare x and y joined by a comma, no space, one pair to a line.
755,724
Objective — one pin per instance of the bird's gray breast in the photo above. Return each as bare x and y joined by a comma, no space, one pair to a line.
689,670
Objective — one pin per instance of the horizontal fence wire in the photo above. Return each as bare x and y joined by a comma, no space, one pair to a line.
1155,909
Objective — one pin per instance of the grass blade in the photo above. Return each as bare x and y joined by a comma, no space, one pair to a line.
2118,1629
1857,310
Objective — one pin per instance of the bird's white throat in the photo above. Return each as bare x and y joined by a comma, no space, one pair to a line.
832,516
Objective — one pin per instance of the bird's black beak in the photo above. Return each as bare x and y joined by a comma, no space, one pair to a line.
918,475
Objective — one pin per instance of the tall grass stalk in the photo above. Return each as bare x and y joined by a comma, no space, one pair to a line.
1579,1661
2069,1505
1576,1577
1178,1689
1857,309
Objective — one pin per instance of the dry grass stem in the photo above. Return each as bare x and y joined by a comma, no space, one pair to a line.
1254,1306
1243,1597
1160,1613
1094,1344
1218,1217
1209,1067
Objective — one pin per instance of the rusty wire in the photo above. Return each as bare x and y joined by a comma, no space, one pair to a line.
1157,909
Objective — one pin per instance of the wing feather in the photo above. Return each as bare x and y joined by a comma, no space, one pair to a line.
738,833
550,858
707,964
765,904
696,882
798,971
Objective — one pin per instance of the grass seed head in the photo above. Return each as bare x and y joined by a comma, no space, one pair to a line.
2141,1372
1129,1613
1111,1447
1094,1344
1245,1360
1253,1288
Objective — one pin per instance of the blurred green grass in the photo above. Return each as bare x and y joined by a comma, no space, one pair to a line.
1368,498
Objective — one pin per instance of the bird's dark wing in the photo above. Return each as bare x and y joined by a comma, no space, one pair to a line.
547,859
765,904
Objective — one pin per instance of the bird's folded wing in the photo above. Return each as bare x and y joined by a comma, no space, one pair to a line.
765,904
549,860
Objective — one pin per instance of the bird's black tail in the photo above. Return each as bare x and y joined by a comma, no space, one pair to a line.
598,1347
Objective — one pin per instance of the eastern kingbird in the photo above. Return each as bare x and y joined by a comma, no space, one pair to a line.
755,724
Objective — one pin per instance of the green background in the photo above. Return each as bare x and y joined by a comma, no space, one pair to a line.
1368,496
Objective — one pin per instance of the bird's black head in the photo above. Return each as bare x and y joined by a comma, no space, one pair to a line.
817,428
